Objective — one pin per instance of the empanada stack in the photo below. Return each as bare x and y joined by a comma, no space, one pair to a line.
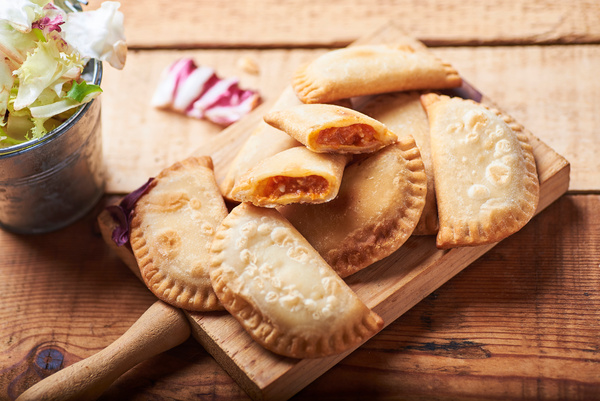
325,191
265,141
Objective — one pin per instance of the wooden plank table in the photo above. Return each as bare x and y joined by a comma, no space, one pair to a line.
522,322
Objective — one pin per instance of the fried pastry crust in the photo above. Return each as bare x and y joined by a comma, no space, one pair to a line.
296,175
379,204
486,180
172,228
371,69
263,142
281,291
327,128
403,113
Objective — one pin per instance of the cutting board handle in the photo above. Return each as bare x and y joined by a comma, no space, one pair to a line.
160,328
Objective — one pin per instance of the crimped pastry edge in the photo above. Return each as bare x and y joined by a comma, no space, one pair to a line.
164,287
456,233
397,232
264,331
310,89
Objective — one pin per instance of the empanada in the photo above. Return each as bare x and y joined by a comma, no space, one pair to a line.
281,291
296,175
403,114
371,69
331,128
377,208
172,227
485,174
263,142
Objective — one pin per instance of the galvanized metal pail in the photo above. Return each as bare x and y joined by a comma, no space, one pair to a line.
49,183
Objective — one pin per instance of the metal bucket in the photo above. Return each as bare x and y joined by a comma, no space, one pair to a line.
49,183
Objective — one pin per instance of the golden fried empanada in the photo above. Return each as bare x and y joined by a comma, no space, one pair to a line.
403,114
377,208
281,291
485,175
263,142
371,69
332,128
172,227
296,175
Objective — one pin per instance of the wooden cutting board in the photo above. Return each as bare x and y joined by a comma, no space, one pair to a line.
390,287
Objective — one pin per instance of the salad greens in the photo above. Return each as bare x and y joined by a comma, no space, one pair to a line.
43,51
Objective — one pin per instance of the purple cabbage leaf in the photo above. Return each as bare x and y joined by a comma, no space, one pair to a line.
121,213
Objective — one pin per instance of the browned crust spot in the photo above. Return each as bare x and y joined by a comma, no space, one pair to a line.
366,246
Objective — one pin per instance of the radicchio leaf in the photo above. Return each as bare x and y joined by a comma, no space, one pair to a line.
239,103
197,83
198,92
121,213
48,24
170,80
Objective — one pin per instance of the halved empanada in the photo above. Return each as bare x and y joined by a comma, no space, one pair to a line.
403,113
485,175
281,291
376,210
295,175
331,128
263,142
172,227
371,69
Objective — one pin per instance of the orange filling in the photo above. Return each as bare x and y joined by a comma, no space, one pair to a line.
279,185
358,135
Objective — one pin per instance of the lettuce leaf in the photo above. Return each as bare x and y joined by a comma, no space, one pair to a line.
6,83
38,130
79,94
51,21
41,68
15,45
82,91
20,14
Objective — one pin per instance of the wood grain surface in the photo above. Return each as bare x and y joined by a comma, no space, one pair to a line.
389,287
521,322
302,23
561,111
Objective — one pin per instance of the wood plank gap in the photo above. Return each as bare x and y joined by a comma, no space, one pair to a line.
240,46
431,43
583,192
